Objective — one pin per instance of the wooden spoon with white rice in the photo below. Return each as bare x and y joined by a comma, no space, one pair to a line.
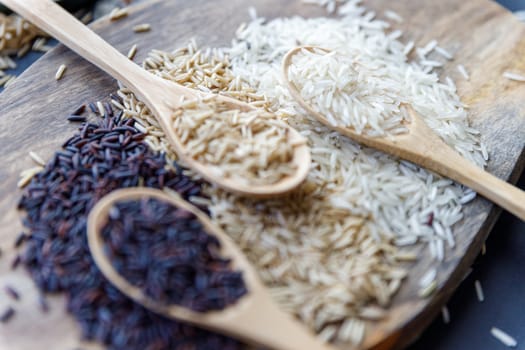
407,136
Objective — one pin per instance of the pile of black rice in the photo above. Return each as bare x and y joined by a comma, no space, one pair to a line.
166,252
101,157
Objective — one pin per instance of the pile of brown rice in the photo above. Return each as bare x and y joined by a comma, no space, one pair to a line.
16,38
252,147
16,34
331,252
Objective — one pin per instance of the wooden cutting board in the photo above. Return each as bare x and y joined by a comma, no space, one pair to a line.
483,36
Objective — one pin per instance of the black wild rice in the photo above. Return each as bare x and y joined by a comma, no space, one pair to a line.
20,239
42,302
93,107
7,315
12,293
98,159
80,110
76,118
430,219
165,251
16,261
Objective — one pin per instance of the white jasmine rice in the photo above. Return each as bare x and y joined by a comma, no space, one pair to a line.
348,92
394,16
444,53
428,278
445,315
514,76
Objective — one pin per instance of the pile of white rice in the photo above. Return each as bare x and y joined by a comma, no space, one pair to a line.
332,252
350,90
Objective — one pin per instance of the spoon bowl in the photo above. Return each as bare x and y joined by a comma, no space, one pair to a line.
161,96
254,318
422,146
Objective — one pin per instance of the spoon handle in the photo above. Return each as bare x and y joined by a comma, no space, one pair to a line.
57,22
264,323
434,154
489,186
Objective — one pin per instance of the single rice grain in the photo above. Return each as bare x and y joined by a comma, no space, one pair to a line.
463,71
428,290
37,159
118,13
394,16
514,76
504,337
445,314
444,53
141,28
132,52
60,72
479,291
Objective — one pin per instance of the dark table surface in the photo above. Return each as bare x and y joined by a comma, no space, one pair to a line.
501,272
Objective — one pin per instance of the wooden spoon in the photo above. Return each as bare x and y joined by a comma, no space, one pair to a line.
160,95
422,146
254,318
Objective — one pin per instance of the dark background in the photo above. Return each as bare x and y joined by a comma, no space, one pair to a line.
513,5
501,272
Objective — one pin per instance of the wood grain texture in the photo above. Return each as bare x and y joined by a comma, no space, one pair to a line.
483,36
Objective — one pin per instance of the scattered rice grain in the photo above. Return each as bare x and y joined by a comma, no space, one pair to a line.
12,293
428,290
37,159
60,72
100,109
445,314
463,71
514,76
27,175
7,315
87,18
10,81
428,278
132,52
394,16
479,291
504,337
444,53
118,13
141,28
